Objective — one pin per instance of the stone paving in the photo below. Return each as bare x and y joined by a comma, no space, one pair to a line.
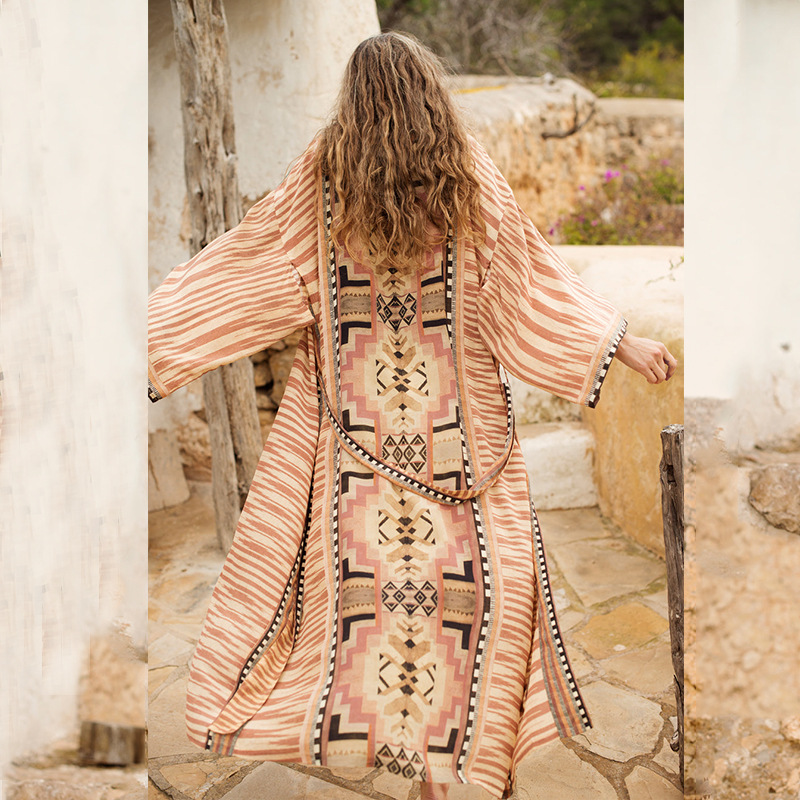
57,774
611,595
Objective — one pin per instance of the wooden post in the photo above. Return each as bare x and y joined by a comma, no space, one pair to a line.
201,45
671,470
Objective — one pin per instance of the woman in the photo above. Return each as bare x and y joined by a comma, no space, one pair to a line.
385,600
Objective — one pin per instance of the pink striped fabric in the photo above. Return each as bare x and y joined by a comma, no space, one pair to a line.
360,620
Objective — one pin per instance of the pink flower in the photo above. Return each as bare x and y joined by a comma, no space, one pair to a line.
551,231
609,174
664,162
581,188
594,222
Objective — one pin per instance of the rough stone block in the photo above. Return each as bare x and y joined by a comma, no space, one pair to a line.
775,493
559,460
533,405
166,482
113,688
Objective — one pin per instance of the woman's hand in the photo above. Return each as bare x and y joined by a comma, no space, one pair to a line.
648,358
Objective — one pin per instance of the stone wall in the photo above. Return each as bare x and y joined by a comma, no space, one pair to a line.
550,136
742,596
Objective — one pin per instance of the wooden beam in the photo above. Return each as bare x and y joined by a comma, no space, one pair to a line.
210,169
671,472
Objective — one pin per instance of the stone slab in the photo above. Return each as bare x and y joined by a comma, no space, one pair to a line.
648,671
350,773
625,724
571,525
559,460
581,666
644,784
184,592
627,627
600,570
554,772
197,779
166,482
569,619
71,782
657,601
166,725
392,785
668,758
272,780
168,651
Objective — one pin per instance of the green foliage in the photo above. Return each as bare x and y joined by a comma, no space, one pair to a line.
627,208
622,47
600,32
656,70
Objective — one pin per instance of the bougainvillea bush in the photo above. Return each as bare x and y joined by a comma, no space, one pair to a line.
626,207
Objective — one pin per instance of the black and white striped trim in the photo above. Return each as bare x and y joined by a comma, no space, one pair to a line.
552,623
334,539
409,482
152,392
605,363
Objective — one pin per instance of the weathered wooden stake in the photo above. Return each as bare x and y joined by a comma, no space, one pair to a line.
671,470
201,45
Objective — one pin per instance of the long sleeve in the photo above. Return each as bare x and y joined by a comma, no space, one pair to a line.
237,296
539,320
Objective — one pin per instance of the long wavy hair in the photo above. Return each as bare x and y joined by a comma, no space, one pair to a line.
398,156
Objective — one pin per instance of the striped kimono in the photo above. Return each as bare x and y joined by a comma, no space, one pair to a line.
386,597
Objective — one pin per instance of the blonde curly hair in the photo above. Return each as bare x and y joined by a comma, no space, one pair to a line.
398,156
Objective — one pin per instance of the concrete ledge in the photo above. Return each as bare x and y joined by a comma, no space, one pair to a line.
559,458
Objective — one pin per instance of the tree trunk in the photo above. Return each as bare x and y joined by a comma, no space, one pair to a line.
201,45
671,470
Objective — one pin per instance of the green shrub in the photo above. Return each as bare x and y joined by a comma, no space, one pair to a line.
655,70
626,208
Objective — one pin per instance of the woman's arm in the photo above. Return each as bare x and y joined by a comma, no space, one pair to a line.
647,357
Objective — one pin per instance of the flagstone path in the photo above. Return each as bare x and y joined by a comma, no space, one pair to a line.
611,598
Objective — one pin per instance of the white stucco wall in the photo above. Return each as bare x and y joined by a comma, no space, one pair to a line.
287,59
73,474
742,202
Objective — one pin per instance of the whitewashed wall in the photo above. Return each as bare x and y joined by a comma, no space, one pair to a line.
287,59
743,204
73,490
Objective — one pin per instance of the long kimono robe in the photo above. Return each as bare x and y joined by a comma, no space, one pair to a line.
386,597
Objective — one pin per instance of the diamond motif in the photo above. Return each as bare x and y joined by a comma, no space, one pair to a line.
397,311
414,597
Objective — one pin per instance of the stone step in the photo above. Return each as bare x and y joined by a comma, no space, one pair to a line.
559,457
